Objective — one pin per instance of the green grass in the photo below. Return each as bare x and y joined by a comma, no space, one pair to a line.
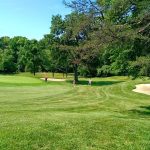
49,74
35,115
18,80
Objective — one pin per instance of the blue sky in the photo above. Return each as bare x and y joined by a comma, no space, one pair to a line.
29,18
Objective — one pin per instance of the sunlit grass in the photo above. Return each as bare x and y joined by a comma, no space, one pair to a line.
47,74
58,116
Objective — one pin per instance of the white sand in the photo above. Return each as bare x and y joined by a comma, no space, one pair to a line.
52,79
143,88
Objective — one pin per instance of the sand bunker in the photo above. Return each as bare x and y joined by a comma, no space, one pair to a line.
52,79
143,88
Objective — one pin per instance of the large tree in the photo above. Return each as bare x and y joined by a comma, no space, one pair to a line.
119,26
71,34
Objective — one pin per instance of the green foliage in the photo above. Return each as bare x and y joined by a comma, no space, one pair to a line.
83,71
140,67
105,70
34,59
57,27
7,62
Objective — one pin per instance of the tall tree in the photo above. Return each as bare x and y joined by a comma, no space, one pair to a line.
59,56
33,56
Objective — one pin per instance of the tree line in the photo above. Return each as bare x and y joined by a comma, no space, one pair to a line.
98,38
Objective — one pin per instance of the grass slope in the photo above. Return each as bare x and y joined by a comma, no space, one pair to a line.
57,116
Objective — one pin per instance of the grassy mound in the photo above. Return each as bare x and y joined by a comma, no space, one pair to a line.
107,115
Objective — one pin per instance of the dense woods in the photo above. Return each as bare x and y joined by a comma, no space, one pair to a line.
102,38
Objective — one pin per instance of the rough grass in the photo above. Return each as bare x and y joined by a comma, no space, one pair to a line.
35,115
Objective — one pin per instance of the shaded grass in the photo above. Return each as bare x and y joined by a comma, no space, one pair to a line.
142,111
99,83
57,116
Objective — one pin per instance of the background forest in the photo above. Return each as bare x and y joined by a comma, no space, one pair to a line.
102,38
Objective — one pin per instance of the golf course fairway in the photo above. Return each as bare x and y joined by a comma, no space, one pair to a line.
108,115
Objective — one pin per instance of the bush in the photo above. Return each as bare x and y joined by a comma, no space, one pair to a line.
83,71
104,71
140,67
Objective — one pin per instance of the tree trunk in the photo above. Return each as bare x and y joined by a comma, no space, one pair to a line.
34,69
66,72
53,74
76,73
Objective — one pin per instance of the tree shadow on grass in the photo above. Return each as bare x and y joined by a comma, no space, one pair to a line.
142,111
97,83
